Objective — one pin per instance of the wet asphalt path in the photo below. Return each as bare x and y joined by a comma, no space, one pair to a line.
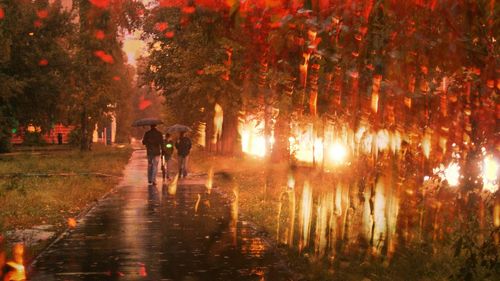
148,233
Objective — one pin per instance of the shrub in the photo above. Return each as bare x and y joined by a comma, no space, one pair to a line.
74,137
34,138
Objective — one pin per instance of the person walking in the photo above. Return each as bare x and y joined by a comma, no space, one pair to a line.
153,140
183,146
167,152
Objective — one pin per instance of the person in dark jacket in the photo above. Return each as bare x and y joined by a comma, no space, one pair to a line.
167,152
153,140
183,146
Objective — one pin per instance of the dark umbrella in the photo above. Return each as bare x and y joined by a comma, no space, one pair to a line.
177,128
146,122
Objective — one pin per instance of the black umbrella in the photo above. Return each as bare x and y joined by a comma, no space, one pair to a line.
177,128
146,122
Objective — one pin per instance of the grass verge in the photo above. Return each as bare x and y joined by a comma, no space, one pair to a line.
26,201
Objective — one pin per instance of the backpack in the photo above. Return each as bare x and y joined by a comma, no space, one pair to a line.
183,146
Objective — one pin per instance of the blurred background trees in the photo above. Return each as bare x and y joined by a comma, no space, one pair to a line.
65,64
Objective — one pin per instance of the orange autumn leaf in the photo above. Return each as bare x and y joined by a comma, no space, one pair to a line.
71,222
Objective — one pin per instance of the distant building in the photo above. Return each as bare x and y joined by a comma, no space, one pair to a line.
59,131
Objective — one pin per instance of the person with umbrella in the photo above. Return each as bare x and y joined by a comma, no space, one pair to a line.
183,146
153,140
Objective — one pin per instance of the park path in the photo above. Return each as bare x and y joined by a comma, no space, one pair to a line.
159,233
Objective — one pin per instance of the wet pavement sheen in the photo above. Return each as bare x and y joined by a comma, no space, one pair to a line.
144,233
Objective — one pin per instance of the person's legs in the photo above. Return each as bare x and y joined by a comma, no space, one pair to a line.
184,168
154,170
182,161
167,167
150,168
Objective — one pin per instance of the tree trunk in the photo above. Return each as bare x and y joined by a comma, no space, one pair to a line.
209,129
84,146
229,138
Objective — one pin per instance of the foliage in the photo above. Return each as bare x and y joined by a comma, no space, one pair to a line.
33,64
99,63
187,67
75,137
476,248
33,138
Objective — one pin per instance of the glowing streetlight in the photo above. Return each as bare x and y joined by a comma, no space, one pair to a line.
490,174
337,152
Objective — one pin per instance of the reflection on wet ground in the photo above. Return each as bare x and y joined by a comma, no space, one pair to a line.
145,233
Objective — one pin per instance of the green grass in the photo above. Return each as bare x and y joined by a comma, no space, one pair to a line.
29,201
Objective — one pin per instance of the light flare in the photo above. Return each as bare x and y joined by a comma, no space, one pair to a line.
304,145
253,141
234,216
305,216
489,170
451,173
426,145
197,204
172,186
19,272
337,153
382,140
210,179
380,222
218,120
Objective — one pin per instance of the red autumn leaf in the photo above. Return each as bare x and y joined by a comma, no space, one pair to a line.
275,25
37,23
42,14
144,103
104,57
172,3
100,3
200,72
2,13
142,271
169,34
116,78
161,26
188,10
140,12
99,34
99,53
107,58
43,62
